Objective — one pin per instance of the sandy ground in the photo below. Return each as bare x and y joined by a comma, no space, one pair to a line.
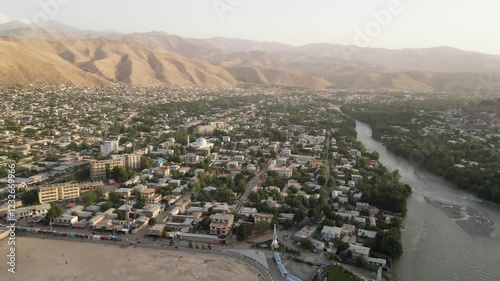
472,221
45,260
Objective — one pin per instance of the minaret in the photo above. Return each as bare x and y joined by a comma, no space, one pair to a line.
188,141
275,244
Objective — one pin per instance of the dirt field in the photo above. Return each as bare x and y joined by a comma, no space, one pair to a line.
50,260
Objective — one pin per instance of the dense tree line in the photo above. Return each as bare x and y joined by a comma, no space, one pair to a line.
432,150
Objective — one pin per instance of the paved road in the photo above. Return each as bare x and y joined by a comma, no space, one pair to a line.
252,184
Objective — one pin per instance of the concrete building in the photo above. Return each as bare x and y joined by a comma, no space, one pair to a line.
190,158
156,230
56,192
150,197
66,220
132,161
283,171
263,217
330,232
101,169
109,147
221,224
90,186
152,211
359,251
32,211
124,192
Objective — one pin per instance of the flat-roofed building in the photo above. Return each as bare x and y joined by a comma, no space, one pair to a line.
156,230
60,191
124,192
101,169
221,224
66,220
32,211
263,217
132,161
90,186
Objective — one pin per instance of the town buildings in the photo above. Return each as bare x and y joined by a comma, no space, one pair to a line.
56,192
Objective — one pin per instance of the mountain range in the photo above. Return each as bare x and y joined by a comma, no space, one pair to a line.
53,53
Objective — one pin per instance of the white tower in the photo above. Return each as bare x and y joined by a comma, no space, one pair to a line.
275,244
188,141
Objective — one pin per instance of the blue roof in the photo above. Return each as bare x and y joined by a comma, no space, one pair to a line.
292,278
282,269
159,161
277,257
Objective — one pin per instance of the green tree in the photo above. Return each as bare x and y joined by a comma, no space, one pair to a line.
30,197
122,214
254,197
152,221
242,232
105,207
306,244
119,173
89,198
140,204
3,171
146,163
51,157
72,146
287,224
114,198
261,227
190,244
54,212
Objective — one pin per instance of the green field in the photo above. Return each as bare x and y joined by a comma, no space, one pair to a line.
335,274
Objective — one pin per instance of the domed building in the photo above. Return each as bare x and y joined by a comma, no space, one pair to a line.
201,143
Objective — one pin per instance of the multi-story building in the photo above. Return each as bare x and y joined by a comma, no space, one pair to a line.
90,186
109,147
150,197
101,169
132,161
190,158
283,171
263,217
56,192
221,224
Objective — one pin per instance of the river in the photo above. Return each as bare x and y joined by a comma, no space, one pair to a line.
436,248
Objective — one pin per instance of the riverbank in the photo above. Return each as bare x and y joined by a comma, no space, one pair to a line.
471,220
45,259
436,247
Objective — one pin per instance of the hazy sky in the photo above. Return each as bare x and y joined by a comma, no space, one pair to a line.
465,24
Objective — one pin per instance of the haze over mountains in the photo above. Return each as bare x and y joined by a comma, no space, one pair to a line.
53,53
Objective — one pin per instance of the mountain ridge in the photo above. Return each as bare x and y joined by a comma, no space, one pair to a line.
153,58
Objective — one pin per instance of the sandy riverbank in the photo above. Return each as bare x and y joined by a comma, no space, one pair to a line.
472,221
45,260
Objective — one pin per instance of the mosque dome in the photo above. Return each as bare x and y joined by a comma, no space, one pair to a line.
201,142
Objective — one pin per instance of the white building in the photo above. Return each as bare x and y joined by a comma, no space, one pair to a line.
201,143
32,211
359,251
109,147
283,171
331,232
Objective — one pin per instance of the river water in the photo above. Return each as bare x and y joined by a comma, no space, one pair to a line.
436,248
